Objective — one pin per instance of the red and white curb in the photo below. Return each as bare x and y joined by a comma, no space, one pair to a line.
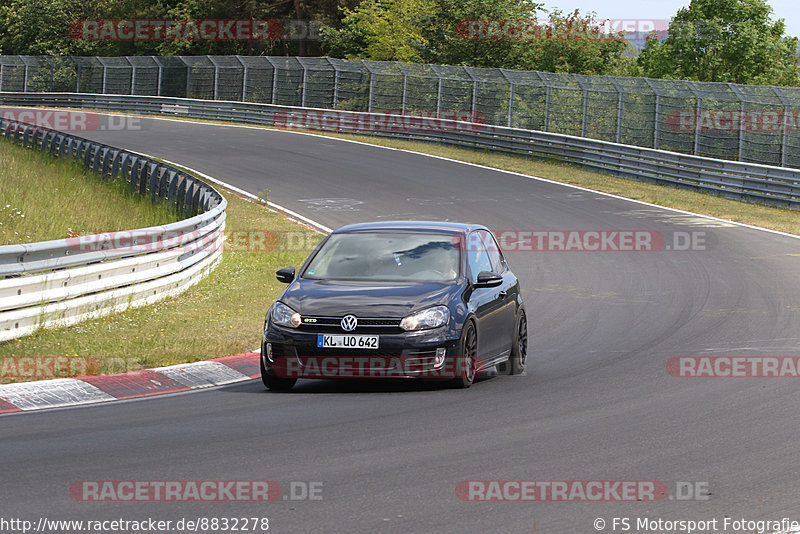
61,392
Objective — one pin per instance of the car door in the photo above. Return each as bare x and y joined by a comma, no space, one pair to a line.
508,293
484,302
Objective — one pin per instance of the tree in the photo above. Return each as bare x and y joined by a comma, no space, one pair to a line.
575,43
382,30
724,41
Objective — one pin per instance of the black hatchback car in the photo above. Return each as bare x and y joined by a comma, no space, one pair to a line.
397,300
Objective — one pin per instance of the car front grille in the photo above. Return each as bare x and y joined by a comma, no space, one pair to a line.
332,325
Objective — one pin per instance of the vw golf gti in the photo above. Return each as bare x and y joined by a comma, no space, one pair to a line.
432,300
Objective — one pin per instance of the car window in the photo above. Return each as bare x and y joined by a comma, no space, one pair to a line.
492,248
386,256
477,257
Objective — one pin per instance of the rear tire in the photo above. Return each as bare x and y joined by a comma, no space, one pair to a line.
466,359
275,383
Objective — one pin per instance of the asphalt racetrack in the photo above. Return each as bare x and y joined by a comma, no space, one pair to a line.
597,404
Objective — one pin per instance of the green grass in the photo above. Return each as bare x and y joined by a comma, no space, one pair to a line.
43,198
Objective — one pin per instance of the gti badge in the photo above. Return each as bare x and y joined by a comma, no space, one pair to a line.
349,323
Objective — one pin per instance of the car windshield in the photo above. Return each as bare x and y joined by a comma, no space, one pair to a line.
386,256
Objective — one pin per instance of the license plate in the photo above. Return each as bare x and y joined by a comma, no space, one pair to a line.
336,341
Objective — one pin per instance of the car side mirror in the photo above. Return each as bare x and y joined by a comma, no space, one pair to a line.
488,279
285,275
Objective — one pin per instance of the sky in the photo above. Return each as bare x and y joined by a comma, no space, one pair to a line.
645,10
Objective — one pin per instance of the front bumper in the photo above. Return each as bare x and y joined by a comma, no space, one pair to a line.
290,353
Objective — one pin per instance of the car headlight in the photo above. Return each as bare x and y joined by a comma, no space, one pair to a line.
285,316
430,318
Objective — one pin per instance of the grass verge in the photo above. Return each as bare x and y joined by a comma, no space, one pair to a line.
44,198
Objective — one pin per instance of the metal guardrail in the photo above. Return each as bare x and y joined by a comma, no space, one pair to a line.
741,181
750,123
61,282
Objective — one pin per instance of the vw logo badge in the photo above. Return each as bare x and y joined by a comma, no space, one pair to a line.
349,323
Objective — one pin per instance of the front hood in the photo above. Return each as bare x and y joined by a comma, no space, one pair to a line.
335,298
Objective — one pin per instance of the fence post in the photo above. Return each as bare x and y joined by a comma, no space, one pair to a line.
657,117
133,77
371,90
104,78
1,76
585,110
787,109
244,78
188,76
697,120
620,104
439,97
743,110
305,85
510,98
274,82
77,82
216,80
335,87
405,85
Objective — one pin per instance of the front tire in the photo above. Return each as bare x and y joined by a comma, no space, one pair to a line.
275,383
467,357
519,351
